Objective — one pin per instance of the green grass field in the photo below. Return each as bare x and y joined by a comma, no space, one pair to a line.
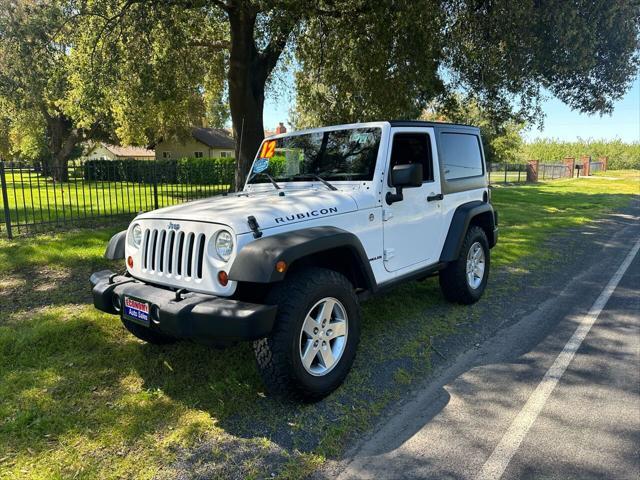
81,398
33,199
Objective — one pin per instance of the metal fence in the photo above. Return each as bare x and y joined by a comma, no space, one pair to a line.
34,199
596,167
553,171
507,173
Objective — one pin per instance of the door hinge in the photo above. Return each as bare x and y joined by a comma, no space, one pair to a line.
389,253
387,215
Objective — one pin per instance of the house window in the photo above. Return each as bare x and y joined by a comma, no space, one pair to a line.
224,154
166,154
198,154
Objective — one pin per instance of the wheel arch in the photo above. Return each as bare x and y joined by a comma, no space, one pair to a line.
115,247
326,247
476,213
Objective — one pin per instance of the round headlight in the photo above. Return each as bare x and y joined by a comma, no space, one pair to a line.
224,245
136,236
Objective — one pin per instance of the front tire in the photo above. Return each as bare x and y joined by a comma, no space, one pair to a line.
465,279
314,341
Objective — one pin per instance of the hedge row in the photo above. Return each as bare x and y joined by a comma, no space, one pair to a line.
194,171
621,155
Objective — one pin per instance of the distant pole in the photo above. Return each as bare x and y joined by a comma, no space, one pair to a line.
5,201
238,160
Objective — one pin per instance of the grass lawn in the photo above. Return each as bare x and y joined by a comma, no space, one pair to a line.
35,199
81,398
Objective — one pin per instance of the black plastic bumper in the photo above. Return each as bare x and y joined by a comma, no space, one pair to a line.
194,316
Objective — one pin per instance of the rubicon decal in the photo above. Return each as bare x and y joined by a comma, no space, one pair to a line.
310,214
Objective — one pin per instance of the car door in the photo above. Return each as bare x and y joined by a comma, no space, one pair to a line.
413,226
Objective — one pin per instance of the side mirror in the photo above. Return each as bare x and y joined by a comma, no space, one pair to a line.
404,176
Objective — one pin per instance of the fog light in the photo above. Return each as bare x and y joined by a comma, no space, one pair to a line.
223,278
130,261
117,303
281,266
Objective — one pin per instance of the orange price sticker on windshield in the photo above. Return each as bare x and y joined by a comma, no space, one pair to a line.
268,149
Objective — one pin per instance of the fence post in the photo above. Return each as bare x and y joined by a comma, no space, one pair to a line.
532,170
586,165
5,202
570,162
155,186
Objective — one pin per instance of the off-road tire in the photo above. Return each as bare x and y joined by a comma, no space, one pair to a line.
453,279
278,355
146,334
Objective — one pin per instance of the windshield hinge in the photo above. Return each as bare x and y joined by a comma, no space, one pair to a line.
389,253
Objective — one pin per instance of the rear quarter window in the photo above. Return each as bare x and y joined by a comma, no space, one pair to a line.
460,155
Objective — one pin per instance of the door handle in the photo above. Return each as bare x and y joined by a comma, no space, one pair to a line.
433,198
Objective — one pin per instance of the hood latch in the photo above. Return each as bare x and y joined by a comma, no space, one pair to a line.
253,225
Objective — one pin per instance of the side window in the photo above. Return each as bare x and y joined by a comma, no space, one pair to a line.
409,148
460,155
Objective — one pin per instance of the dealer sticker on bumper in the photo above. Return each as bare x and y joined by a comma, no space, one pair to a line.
136,310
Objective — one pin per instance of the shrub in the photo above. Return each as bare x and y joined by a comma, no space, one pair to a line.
206,171
194,171
137,171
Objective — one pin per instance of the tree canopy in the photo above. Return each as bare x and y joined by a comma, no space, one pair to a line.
139,71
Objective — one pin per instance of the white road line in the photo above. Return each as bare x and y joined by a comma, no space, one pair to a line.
497,463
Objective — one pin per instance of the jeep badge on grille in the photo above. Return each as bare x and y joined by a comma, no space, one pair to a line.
174,226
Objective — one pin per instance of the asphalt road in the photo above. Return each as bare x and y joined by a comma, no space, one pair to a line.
484,416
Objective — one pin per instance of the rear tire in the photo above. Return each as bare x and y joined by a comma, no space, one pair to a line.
458,281
318,321
146,334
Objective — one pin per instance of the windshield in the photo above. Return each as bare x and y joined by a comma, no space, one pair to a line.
333,155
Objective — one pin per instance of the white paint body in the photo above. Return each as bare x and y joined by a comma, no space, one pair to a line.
398,239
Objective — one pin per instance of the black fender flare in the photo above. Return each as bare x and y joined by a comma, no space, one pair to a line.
115,247
256,261
460,222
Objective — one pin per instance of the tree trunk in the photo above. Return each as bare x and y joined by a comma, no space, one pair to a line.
63,138
247,78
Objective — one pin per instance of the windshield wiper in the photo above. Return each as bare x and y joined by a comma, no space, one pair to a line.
315,177
273,182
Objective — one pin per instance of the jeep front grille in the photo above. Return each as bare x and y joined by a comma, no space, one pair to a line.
173,254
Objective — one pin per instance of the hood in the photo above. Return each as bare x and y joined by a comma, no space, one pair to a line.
269,208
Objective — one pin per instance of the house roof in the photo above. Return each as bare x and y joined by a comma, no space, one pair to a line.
129,151
214,137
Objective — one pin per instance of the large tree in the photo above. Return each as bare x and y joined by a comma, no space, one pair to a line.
359,59
34,82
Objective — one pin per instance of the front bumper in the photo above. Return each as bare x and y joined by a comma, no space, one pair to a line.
194,316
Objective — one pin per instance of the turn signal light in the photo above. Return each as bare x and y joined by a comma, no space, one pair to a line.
130,261
281,266
223,278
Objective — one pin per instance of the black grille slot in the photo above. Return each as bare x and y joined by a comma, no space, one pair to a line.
190,241
200,259
161,252
145,249
179,253
154,245
172,237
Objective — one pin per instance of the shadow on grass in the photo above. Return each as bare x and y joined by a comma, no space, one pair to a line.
73,376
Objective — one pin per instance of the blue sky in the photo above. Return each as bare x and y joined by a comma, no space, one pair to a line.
560,121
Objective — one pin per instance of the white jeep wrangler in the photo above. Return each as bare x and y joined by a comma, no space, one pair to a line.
327,217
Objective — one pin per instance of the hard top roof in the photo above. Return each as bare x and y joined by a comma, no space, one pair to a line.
424,123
